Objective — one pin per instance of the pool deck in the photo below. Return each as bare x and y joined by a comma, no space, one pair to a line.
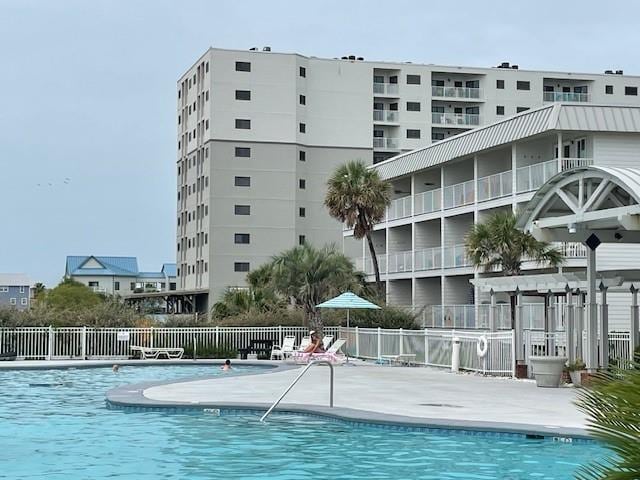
414,396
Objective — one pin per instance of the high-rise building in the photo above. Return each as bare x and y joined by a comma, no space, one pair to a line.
259,132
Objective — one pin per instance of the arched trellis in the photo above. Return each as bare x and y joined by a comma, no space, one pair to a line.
592,205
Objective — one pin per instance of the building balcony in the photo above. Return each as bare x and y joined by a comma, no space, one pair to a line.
384,143
455,119
456,93
388,89
534,176
428,259
459,194
366,265
427,202
400,262
455,256
495,186
399,208
566,97
385,116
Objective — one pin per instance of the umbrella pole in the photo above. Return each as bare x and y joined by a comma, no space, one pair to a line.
348,336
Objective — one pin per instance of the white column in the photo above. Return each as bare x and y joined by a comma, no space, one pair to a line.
604,327
560,151
592,312
514,180
519,330
579,322
569,326
635,317
492,311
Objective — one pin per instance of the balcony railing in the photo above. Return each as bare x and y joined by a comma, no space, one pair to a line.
427,202
452,316
462,119
459,194
534,176
399,208
566,97
428,259
572,249
455,256
390,116
455,92
386,143
366,266
385,88
495,186
400,262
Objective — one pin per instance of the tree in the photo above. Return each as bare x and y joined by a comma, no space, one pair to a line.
498,244
39,290
358,197
612,405
72,295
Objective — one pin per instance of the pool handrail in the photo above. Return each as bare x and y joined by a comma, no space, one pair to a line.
304,370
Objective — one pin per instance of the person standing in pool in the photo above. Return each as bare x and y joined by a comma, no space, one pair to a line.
227,366
115,368
316,345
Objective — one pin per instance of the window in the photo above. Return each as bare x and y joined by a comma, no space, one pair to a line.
413,133
241,267
413,106
21,289
608,89
303,100
303,72
302,183
243,66
302,212
242,181
94,284
206,95
521,109
206,124
301,239
413,79
13,301
23,301
242,209
4,289
522,85
206,67
116,285
243,94
302,156
242,238
500,84
132,285
243,124
243,152
631,91
500,110
303,128
436,136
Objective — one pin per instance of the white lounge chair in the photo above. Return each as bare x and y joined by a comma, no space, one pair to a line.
333,354
304,343
155,352
326,341
284,351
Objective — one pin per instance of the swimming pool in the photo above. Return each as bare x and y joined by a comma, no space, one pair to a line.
66,432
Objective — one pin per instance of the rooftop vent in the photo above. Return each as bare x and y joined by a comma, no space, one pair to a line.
361,59
608,72
352,57
514,67
266,49
253,49
504,65
345,58
619,72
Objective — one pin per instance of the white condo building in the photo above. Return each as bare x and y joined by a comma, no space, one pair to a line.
441,190
258,133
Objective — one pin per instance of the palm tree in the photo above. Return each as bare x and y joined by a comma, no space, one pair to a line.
612,403
358,197
498,244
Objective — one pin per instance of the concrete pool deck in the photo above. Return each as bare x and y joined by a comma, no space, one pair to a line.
394,395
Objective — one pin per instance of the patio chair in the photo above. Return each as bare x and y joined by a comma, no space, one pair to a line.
326,341
284,351
333,354
304,343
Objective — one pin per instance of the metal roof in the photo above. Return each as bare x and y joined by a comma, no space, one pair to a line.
122,266
169,269
555,116
157,275
14,280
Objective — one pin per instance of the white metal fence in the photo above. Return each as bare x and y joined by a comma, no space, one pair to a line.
115,343
434,347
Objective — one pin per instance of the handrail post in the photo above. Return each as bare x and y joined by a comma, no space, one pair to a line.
357,343
379,344
50,343
83,348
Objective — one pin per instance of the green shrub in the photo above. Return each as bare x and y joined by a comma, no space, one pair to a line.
210,351
386,317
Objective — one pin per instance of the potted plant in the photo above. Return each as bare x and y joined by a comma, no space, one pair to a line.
548,370
575,370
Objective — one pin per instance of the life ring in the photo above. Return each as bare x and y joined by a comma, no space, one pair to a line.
482,346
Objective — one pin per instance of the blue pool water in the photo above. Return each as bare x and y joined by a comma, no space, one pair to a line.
66,432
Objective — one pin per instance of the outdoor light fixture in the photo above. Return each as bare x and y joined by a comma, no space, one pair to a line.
572,228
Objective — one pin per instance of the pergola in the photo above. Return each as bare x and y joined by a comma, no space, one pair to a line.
592,205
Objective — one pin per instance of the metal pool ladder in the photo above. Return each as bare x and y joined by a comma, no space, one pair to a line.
304,370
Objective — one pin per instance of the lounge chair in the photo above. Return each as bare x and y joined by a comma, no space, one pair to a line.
326,341
155,353
284,351
333,354
304,343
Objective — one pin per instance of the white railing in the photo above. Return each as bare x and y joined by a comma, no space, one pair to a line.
399,208
620,350
501,316
495,186
367,265
385,116
455,92
115,343
572,249
566,97
427,202
463,119
385,88
452,316
459,194
534,176
400,262
433,347
428,259
386,143
455,256
99,289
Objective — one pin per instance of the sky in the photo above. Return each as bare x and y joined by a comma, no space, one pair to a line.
88,103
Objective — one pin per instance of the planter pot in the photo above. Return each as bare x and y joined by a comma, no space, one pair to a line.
521,370
548,370
576,377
